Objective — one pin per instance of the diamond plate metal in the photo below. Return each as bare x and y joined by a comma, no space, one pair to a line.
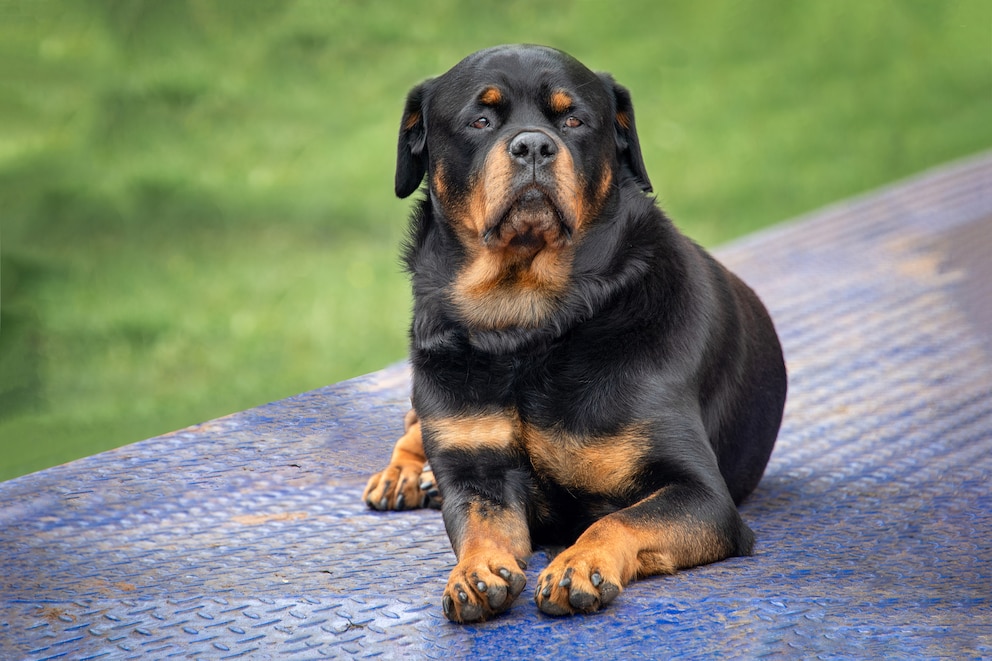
246,536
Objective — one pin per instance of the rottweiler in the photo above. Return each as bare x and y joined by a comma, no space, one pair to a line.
586,379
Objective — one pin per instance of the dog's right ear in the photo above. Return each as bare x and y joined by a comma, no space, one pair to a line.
411,152
628,145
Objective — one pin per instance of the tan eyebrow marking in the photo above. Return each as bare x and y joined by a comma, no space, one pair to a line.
491,96
560,101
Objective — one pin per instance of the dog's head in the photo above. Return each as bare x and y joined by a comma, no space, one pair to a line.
523,147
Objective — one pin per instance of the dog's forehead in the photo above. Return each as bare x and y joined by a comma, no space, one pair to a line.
526,70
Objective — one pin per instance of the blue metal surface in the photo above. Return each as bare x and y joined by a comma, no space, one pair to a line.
246,536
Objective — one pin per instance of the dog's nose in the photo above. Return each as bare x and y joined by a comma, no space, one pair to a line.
533,148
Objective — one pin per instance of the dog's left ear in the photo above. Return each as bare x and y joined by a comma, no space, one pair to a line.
411,151
628,146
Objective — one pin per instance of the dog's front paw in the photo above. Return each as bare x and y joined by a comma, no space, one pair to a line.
579,580
402,486
483,585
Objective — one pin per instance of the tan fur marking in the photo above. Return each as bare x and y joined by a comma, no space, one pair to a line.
623,119
401,477
491,96
620,549
410,446
604,187
647,549
560,101
412,120
490,528
437,180
569,193
492,552
488,193
605,465
487,299
493,431
500,287
490,188
410,419
496,289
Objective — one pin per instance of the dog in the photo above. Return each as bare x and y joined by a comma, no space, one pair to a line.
585,378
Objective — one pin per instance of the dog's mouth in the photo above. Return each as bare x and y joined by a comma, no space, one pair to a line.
531,222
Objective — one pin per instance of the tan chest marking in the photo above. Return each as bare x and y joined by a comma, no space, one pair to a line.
494,431
605,465
598,464
488,299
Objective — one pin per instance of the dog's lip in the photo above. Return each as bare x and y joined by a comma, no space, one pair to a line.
530,195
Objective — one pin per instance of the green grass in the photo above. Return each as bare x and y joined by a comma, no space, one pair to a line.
196,210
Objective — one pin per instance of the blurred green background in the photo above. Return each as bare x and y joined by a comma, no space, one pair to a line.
196,208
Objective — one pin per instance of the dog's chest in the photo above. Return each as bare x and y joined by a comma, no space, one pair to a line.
605,464
596,463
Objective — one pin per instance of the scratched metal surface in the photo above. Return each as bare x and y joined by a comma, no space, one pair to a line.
245,536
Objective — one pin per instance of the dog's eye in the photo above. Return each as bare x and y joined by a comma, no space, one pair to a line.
573,122
480,123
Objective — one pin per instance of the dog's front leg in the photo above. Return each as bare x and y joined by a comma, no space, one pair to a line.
492,544
680,526
485,484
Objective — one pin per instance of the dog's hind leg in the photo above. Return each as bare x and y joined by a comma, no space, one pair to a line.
404,484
